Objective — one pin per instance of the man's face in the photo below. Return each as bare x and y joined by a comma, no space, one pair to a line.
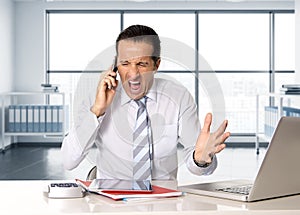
136,67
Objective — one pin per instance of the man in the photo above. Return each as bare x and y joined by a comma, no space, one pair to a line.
108,119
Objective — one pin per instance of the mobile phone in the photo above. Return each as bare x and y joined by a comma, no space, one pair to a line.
115,67
120,185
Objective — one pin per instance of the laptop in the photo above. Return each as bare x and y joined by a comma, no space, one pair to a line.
278,176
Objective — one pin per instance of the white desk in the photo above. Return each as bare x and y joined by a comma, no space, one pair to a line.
27,197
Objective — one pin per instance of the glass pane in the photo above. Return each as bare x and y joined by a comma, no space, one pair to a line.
285,42
226,41
76,39
186,79
239,91
67,83
235,41
177,33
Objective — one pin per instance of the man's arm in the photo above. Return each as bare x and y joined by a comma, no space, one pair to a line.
189,129
81,137
195,139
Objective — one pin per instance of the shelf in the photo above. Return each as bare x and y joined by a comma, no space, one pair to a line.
263,137
280,95
30,93
13,101
280,111
33,134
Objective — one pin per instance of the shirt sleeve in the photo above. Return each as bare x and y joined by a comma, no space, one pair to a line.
193,168
81,136
189,129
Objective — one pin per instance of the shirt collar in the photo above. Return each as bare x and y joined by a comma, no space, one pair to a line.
152,94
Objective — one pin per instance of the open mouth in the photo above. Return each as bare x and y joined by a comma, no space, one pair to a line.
134,86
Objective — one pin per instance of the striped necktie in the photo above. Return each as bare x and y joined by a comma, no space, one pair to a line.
142,152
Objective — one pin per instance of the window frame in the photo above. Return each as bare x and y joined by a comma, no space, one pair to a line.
272,13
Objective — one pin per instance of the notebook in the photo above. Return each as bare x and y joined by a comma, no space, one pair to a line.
119,194
278,175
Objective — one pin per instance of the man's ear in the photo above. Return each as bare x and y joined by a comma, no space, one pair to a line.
157,63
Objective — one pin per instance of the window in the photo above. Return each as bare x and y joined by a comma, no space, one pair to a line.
284,49
234,52
235,41
76,46
75,39
240,90
179,32
177,41
238,44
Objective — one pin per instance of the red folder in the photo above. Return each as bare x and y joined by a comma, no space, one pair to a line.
157,192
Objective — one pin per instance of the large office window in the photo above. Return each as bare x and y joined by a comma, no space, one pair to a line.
76,38
178,33
234,46
181,31
235,42
284,48
76,42
284,42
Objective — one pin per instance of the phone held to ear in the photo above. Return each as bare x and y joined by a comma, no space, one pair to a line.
115,67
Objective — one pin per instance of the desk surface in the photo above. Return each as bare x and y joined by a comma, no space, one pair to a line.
28,197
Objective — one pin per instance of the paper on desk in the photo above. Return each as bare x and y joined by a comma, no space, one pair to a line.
157,192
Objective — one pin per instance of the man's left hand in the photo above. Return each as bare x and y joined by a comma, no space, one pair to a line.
208,144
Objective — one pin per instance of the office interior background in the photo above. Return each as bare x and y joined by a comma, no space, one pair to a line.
250,46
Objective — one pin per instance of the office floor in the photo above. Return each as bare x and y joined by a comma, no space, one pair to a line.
45,162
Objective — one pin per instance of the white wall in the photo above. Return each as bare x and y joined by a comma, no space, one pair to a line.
6,51
30,54
6,45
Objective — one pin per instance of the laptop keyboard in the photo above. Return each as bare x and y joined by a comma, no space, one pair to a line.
245,189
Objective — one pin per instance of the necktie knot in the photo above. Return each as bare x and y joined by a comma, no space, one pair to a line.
141,102
142,106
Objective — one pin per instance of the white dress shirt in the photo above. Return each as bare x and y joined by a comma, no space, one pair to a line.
173,118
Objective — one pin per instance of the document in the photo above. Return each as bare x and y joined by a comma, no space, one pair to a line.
49,119
157,192
17,118
55,118
23,118
36,118
30,118
11,119
42,118
60,118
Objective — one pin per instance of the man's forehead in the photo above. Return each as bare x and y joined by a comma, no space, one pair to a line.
135,59
131,50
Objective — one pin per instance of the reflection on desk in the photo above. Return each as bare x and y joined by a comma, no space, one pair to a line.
28,197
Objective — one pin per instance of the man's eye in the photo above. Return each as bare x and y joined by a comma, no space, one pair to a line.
142,64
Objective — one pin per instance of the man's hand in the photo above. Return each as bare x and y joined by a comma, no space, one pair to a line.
208,143
105,92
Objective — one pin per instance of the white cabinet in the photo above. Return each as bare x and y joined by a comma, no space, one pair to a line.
269,109
33,114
